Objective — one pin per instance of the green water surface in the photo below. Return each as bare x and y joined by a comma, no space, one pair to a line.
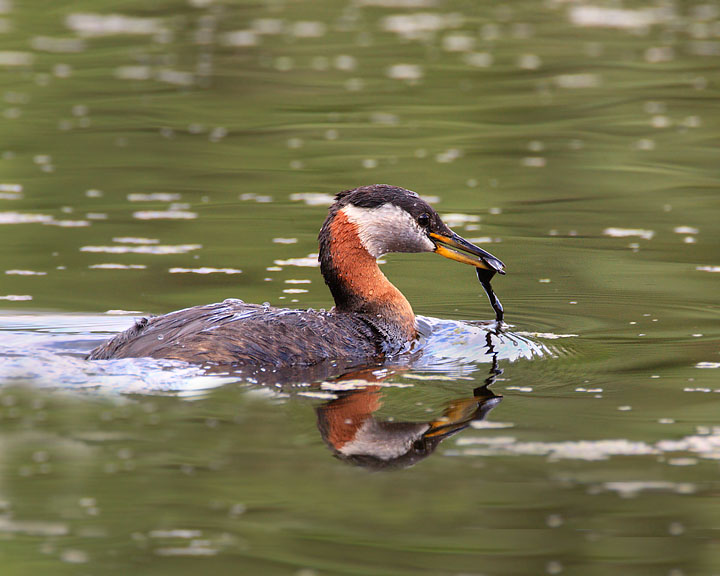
580,143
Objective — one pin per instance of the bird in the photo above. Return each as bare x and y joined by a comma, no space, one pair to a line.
371,320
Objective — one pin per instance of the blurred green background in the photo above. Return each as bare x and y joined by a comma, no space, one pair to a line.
141,142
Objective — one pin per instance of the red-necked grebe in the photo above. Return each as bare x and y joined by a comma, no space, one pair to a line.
371,317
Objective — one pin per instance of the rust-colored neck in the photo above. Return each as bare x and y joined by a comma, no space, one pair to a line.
346,415
356,281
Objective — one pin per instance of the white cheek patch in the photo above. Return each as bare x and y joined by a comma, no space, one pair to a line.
388,228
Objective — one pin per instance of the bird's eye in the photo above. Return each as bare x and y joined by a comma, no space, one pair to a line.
424,220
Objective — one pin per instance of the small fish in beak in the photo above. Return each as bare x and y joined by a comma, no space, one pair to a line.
486,265
485,276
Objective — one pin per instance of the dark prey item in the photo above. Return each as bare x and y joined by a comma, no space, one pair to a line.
485,276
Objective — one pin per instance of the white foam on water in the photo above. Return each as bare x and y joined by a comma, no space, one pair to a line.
546,335
24,218
58,45
164,215
313,198
240,38
143,249
458,219
309,261
405,72
623,19
627,232
11,58
420,25
94,25
631,489
111,266
133,72
154,197
135,240
204,270
33,528
706,446
25,273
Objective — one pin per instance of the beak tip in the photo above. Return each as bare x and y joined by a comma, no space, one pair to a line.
484,260
497,266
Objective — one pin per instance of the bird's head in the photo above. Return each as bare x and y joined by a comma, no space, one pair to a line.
392,219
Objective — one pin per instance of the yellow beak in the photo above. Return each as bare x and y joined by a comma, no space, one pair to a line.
484,259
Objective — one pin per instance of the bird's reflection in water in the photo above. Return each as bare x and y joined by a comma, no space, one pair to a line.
349,427
348,423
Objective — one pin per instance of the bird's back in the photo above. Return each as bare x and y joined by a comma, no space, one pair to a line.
233,332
